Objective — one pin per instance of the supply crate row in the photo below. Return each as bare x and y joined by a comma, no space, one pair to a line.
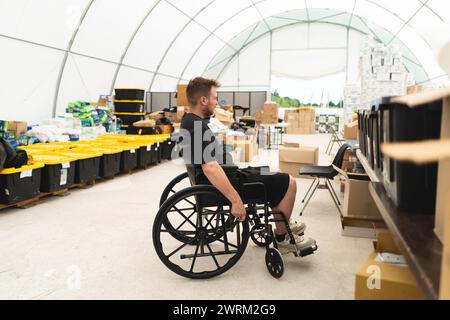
60,166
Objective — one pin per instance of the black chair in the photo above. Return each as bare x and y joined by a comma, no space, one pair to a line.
326,173
335,138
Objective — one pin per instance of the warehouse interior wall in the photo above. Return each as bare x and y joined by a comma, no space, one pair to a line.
87,47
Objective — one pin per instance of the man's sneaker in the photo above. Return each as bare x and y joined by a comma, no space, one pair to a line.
297,227
302,243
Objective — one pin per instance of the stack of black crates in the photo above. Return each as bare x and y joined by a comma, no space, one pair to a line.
129,105
411,187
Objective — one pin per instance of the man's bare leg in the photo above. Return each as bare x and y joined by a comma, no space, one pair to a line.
286,205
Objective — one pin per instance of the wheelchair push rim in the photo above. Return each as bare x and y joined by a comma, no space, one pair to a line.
207,239
172,188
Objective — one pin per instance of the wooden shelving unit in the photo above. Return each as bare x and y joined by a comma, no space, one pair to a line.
413,233
415,238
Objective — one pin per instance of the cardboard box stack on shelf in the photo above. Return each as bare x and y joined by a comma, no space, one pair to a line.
269,113
300,121
352,101
382,72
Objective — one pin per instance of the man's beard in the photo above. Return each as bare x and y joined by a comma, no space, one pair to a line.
208,113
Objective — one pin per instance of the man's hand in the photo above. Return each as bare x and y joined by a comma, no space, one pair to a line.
238,210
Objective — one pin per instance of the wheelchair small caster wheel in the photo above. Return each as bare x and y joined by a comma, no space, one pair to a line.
259,237
274,262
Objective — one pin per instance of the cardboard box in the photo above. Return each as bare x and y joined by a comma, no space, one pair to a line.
18,127
166,128
172,116
414,89
181,110
292,158
246,149
223,116
347,166
271,108
351,130
382,281
181,95
357,200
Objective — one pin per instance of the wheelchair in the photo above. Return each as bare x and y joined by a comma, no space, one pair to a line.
196,236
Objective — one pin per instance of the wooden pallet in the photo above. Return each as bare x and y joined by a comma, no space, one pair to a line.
35,200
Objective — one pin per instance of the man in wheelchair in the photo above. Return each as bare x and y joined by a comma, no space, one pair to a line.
202,153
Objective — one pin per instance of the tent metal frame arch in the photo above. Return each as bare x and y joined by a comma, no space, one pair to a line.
421,6
66,55
180,77
208,67
191,19
130,41
231,58
211,33
206,38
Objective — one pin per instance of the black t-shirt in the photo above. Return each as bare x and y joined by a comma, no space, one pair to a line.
199,144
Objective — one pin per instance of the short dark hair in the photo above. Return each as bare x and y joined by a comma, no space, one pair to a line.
199,87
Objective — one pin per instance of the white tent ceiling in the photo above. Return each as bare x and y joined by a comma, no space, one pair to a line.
55,51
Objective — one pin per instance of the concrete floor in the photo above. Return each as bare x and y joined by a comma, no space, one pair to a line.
96,244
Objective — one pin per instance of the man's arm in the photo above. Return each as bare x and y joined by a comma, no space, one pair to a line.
215,174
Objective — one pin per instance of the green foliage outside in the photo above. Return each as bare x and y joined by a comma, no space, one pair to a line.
286,102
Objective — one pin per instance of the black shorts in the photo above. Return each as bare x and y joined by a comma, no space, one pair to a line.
276,184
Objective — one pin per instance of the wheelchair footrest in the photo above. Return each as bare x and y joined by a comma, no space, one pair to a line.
306,251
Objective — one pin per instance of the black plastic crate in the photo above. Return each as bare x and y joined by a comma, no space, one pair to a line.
157,152
129,94
142,130
57,177
145,156
19,186
129,106
129,160
110,165
411,187
87,170
166,149
129,118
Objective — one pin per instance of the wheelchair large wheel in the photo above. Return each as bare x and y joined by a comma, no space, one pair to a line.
178,183
205,239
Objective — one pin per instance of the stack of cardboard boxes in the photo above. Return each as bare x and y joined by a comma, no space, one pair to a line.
245,147
382,72
351,130
352,100
12,130
224,116
300,121
268,115
292,158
